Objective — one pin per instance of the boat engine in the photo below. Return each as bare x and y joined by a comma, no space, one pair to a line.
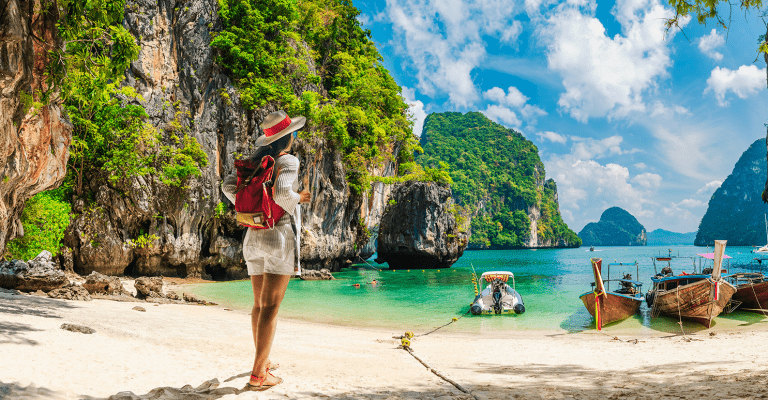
519,308
497,288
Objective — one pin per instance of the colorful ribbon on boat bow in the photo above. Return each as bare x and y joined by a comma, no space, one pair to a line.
598,317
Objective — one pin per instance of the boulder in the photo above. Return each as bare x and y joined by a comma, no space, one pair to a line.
151,287
70,292
417,229
65,260
315,275
39,273
77,328
102,284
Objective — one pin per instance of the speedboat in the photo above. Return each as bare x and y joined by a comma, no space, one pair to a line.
498,297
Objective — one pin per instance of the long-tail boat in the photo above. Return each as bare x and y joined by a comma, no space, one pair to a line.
698,296
606,306
751,291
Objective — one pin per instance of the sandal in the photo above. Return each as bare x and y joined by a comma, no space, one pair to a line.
259,386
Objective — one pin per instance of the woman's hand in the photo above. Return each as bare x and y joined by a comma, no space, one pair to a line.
304,196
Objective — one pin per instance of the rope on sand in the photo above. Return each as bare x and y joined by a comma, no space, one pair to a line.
438,374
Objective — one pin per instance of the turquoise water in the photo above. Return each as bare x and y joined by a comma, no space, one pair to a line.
549,280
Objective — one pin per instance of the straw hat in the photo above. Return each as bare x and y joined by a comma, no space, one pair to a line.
277,125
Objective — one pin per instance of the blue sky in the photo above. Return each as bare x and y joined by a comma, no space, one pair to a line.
623,115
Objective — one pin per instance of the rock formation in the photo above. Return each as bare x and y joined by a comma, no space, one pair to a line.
417,231
97,283
70,292
498,180
179,81
39,273
616,227
34,138
735,211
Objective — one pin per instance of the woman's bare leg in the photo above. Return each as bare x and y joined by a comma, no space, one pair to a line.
256,282
272,291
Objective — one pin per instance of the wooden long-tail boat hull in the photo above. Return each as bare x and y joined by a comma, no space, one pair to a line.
697,301
613,307
754,296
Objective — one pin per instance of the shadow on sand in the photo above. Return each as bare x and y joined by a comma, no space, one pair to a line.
25,305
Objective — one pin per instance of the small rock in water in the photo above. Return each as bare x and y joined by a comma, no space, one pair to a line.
137,308
77,328
190,298
712,333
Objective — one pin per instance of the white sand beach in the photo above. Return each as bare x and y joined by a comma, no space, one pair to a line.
173,345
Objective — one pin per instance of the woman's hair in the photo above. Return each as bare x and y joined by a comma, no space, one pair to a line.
272,149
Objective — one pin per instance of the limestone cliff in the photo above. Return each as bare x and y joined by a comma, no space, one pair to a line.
735,212
616,227
180,84
418,231
498,181
34,137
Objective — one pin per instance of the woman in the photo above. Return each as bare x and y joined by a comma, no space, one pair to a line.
272,255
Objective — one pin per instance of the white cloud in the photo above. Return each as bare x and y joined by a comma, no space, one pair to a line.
416,108
690,203
588,187
552,137
502,115
513,98
709,188
588,148
708,44
641,166
606,76
745,81
658,109
648,180
443,40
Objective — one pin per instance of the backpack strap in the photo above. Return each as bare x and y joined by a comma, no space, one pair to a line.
256,172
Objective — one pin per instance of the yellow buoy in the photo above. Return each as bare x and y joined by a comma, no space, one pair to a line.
409,334
454,319
438,270
405,342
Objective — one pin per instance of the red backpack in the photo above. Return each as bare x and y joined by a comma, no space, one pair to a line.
254,197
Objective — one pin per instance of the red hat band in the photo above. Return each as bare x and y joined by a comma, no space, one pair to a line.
277,127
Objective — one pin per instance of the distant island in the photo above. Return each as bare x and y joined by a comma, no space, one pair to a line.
499,183
736,212
661,237
616,227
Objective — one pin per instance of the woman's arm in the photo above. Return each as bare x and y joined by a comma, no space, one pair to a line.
285,197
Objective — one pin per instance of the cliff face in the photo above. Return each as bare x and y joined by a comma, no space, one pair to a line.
498,180
179,83
735,211
34,138
417,230
616,227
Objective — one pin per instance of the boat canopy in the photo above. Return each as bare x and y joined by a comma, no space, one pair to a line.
711,256
500,275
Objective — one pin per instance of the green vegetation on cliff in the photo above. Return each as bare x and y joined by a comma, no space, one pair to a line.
498,170
616,227
45,218
736,212
271,47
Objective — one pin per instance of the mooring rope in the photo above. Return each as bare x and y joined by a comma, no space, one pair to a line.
438,374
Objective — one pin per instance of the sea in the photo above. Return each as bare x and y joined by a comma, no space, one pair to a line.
549,280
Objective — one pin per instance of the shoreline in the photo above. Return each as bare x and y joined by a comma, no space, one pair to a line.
172,345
